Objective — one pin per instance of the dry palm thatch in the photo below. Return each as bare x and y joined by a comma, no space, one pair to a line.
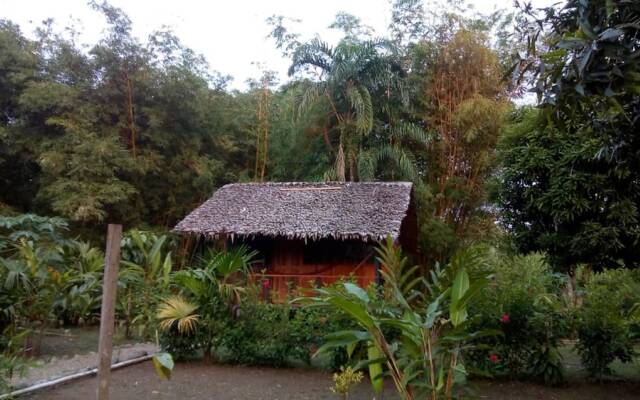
366,211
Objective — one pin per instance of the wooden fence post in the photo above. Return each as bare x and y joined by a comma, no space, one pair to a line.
107,315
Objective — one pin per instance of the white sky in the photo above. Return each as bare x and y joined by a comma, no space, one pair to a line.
230,34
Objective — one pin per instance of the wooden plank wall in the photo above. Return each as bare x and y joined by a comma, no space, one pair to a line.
288,271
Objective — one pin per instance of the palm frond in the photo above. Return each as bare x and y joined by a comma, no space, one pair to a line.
308,98
403,160
227,262
407,131
178,312
316,53
367,165
360,100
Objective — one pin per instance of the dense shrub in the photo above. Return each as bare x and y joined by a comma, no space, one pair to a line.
607,322
523,302
270,334
262,334
181,347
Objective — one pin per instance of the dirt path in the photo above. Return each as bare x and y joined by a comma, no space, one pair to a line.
57,367
196,381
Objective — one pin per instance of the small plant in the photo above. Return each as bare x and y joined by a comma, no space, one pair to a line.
417,341
608,324
522,301
143,280
11,361
178,327
217,288
344,381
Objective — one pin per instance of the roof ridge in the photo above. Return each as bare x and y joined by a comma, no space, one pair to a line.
327,183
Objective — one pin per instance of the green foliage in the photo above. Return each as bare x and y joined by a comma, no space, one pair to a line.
217,289
272,334
45,230
523,301
235,326
266,334
557,196
79,284
608,323
245,330
181,346
143,280
11,362
163,363
49,279
571,182
129,130
350,72
31,264
465,109
424,357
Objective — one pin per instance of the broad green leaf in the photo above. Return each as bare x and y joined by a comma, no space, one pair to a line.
139,242
351,348
460,285
375,368
166,268
460,374
154,254
440,383
457,309
163,363
357,291
355,310
348,339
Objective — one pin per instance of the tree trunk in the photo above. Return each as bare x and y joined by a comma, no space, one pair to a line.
130,115
340,164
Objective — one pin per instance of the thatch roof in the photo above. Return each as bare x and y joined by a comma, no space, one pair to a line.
367,211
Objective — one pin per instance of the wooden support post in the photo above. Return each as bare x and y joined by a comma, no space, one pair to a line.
107,315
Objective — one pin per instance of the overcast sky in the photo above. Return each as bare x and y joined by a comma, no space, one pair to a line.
231,34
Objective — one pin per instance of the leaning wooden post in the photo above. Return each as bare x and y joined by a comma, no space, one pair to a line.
107,316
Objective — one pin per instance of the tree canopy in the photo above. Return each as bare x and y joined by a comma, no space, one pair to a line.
142,131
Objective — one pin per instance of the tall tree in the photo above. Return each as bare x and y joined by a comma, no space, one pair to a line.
346,76
18,67
465,109
585,208
135,131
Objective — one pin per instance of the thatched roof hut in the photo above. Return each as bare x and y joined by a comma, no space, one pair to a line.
308,232
365,211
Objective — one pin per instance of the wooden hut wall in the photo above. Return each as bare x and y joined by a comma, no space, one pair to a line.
294,264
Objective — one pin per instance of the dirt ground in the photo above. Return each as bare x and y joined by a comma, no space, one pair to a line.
68,342
67,351
197,381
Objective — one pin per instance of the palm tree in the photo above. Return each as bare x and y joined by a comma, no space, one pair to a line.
349,77
215,288
348,74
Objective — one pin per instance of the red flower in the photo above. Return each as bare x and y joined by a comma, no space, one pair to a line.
266,284
493,358
505,319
